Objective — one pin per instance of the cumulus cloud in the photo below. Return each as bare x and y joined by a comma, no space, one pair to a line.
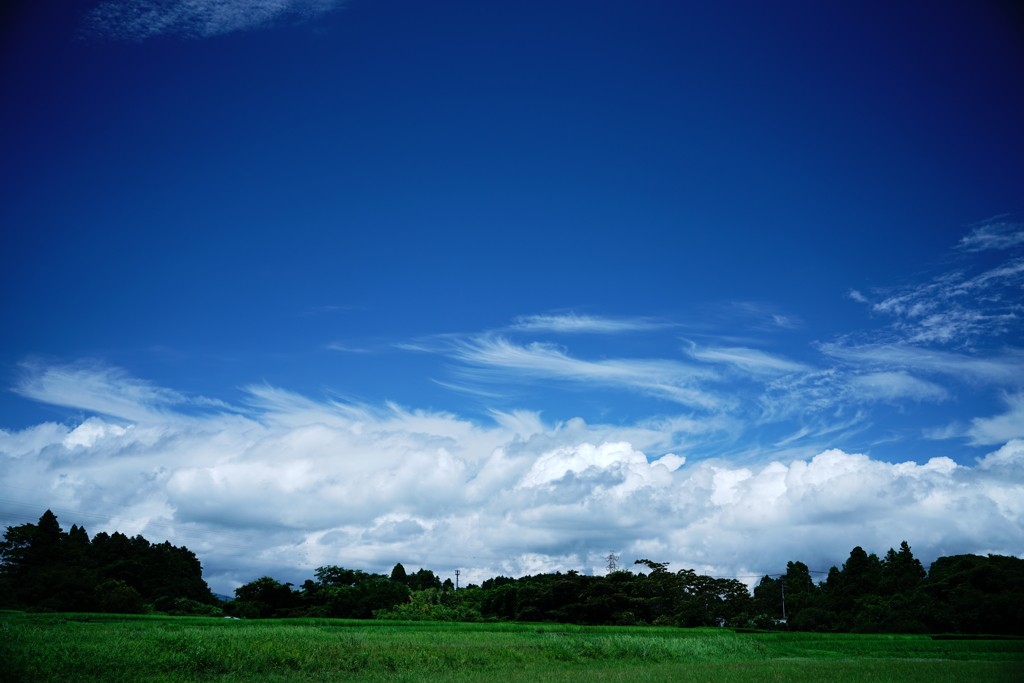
137,20
295,483
91,431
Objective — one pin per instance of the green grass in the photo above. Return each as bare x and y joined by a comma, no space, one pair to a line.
122,648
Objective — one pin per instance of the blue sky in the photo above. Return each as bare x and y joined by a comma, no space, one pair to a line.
463,272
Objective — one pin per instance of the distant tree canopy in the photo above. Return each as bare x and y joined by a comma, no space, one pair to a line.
336,592
965,594
894,594
43,567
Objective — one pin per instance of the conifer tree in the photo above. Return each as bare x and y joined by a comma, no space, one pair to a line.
398,574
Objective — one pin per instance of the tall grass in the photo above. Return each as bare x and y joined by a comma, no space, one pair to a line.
123,649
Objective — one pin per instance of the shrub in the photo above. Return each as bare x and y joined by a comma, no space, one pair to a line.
118,597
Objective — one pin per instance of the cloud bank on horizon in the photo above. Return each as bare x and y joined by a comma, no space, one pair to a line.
291,484
138,20
283,483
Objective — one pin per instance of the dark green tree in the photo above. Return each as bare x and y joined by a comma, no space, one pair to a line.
901,571
332,575
265,597
979,594
854,587
43,567
398,574
423,579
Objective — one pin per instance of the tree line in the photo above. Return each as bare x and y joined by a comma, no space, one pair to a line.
44,568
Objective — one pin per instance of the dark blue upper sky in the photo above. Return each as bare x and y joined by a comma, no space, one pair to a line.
343,199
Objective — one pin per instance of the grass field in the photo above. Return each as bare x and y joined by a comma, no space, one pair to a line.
116,648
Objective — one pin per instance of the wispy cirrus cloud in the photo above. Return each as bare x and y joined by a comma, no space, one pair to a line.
810,395
138,20
955,308
894,386
572,323
1005,367
101,389
758,315
751,361
345,348
962,306
667,379
993,234
955,325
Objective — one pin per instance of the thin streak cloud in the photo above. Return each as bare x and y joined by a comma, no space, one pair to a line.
1002,368
751,361
993,234
958,307
104,390
577,324
667,379
139,20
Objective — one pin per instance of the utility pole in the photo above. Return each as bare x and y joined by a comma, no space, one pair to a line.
612,561
457,572
783,580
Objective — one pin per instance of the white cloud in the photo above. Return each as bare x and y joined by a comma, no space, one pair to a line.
1011,455
957,307
751,361
1006,367
666,379
994,234
891,386
137,20
556,464
812,393
31,440
90,431
298,483
335,346
1001,428
101,389
572,323
952,430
